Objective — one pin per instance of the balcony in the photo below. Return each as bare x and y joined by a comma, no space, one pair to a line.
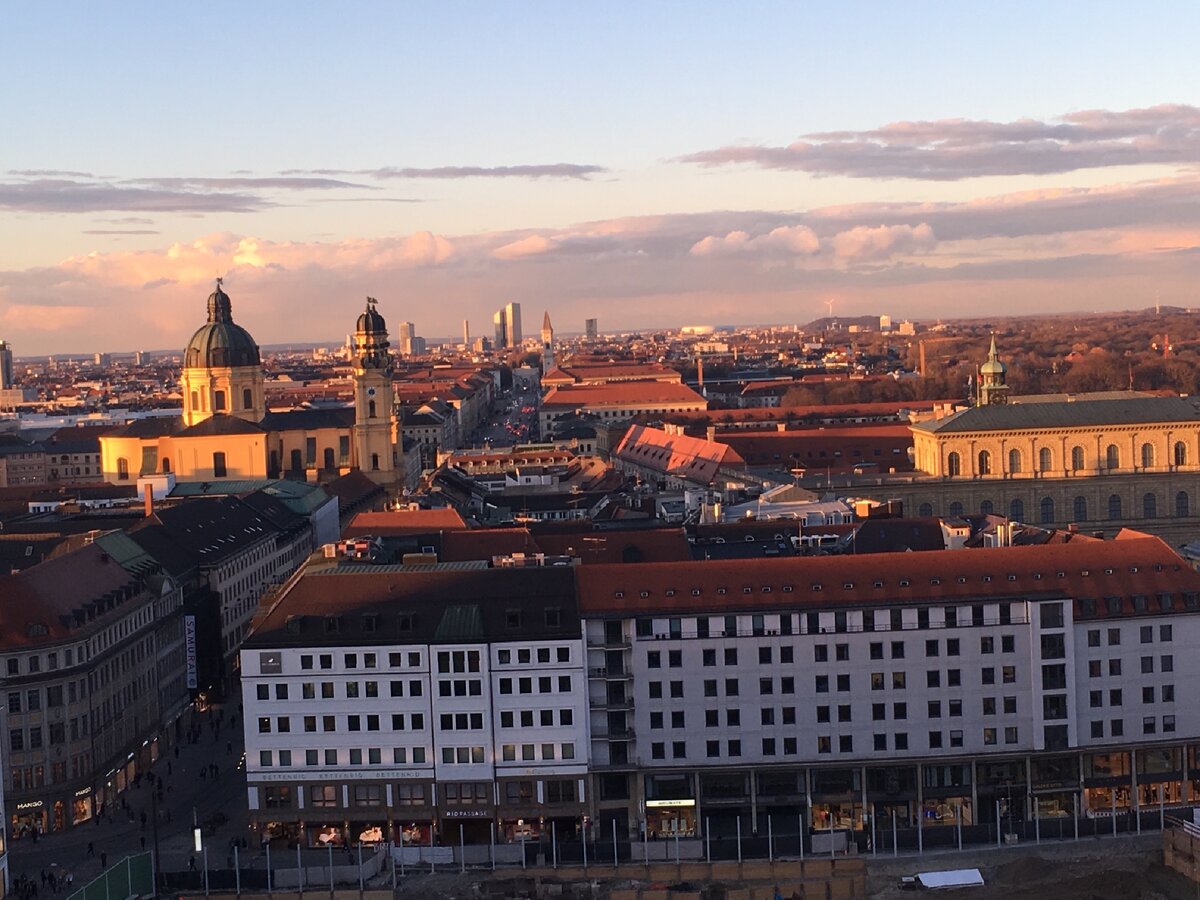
605,643
612,704
609,674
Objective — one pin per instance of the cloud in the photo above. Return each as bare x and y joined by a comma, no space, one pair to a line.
46,195
49,173
272,183
872,243
534,245
121,231
550,170
799,240
951,149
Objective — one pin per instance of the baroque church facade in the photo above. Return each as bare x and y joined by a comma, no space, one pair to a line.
227,433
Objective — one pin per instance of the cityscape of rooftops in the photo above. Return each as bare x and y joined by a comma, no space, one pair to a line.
629,451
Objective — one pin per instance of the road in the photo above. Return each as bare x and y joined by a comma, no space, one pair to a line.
514,425
120,832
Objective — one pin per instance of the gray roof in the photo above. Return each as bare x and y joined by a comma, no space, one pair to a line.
1016,417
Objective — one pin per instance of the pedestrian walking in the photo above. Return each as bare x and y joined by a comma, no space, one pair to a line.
103,860
91,849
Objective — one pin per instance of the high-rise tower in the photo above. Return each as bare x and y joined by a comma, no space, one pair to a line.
376,435
6,366
512,318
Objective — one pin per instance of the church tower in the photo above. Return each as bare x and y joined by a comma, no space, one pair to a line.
993,375
222,368
376,434
547,343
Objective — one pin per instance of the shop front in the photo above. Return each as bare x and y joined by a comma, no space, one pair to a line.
837,799
726,799
411,813
1055,786
1001,789
670,806
1160,777
29,817
892,793
81,806
1106,781
946,795
781,798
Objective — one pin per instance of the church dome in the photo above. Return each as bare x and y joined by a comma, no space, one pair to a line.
220,343
370,321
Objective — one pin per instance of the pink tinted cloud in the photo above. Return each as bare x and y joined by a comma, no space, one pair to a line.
950,149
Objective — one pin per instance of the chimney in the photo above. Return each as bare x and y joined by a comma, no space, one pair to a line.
700,372
149,502
710,433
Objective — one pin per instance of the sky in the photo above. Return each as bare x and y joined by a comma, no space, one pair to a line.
646,164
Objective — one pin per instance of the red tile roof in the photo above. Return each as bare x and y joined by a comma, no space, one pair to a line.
1136,564
633,546
621,393
484,543
820,447
404,521
690,458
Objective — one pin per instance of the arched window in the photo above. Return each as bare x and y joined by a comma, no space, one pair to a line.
925,509
297,461
166,465
1045,459
370,409
1182,505
985,463
1180,453
218,401
1112,457
219,470
329,464
1016,510
986,508
247,399
122,469
375,461
1014,460
956,509
1147,455
1114,506
1076,459
1079,509
1047,510
953,465
1149,506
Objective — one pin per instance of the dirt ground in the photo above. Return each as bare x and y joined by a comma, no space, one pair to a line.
1121,869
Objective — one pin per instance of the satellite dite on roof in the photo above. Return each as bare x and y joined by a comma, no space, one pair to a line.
950,878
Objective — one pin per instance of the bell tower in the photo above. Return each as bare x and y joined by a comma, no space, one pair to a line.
993,378
376,433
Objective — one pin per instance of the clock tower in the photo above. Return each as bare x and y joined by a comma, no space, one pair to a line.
376,432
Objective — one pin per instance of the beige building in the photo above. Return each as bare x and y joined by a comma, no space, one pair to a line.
227,433
1102,462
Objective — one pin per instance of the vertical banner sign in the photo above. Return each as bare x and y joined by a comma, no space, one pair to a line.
189,639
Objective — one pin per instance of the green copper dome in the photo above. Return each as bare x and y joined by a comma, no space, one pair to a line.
993,366
220,343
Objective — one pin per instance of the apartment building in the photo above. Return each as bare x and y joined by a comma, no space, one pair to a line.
4,881
393,703
92,667
925,686
822,692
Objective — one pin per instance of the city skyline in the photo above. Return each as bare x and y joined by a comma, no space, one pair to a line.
746,169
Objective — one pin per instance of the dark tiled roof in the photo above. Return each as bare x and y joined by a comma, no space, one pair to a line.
1086,413
152,427
221,424
309,419
368,606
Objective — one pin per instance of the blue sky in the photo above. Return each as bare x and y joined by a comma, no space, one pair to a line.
130,94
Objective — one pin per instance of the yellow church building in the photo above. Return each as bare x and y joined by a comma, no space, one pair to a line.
226,433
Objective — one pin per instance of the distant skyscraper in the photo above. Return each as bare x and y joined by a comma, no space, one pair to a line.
512,314
6,366
404,338
466,333
500,320
590,329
